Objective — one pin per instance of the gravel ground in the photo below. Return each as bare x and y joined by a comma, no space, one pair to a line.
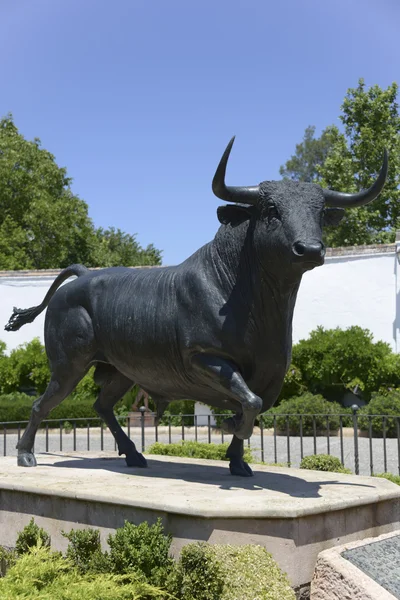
272,453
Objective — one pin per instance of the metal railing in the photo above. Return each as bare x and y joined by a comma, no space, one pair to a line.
367,444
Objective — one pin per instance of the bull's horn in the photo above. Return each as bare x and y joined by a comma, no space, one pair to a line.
243,195
342,200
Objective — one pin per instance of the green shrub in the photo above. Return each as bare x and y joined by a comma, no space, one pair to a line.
223,572
44,575
198,575
15,407
18,407
293,384
30,536
26,368
174,413
195,450
8,558
332,361
323,462
142,549
381,405
84,551
305,405
393,478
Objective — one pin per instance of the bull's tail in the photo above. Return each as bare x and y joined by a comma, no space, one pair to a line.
22,316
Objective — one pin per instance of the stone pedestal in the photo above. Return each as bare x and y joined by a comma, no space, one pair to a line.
293,513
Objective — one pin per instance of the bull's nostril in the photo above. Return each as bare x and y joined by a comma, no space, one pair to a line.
299,248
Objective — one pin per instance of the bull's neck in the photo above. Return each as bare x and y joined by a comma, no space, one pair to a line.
249,283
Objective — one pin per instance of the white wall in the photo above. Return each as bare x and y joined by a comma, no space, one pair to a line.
350,290
22,292
347,290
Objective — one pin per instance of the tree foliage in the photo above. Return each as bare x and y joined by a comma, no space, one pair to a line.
42,223
310,154
350,160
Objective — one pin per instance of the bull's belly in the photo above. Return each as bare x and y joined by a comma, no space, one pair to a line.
164,377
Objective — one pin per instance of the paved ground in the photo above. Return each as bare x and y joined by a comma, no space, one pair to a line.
92,441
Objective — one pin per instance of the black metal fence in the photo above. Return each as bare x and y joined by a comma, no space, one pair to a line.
367,444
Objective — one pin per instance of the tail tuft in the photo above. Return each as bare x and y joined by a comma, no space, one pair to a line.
22,316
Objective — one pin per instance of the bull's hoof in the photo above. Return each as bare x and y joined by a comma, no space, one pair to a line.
240,468
135,459
26,459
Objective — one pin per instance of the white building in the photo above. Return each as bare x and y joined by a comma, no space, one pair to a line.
356,286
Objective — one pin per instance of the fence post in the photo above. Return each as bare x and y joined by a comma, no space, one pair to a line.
354,409
142,411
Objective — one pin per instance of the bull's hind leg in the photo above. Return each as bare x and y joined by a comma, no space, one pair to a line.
70,349
114,386
59,387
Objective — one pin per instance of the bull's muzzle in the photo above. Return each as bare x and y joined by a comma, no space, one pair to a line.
311,253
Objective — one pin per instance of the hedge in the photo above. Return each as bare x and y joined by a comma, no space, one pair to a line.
381,405
305,405
323,462
332,361
17,407
195,450
224,572
45,575
138,566
174,412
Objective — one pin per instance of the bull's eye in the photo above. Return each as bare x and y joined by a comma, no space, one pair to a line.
272,212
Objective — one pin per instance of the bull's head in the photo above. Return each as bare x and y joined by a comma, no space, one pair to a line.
288,216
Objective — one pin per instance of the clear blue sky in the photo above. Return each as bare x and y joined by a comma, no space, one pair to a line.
139,98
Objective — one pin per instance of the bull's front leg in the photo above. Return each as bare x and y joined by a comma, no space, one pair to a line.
222,375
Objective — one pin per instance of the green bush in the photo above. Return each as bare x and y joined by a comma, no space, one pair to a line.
8,558
18,407
26,368
381,405
332,361
293,384
84,551
198,575
196,450
174,412
223,572
30,536
142,549
44,575
305,405
393,478
323,462
138,558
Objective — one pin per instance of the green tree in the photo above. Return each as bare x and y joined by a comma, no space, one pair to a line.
42,223
371,122
310,154
114,247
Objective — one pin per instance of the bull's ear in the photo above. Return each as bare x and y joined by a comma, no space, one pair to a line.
333,216
233,214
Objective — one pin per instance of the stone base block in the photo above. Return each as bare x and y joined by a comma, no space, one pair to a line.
335,577
295,514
